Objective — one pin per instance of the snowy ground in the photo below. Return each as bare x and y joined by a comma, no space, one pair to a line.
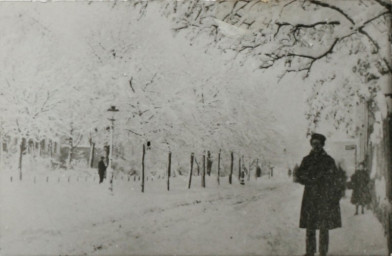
83,218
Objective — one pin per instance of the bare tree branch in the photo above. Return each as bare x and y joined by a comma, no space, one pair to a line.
376,17
296,27
309,65
131,85
387,5
180,28
324,4
138,134
289,3
280,25
150,82
249,47
360,30
388,65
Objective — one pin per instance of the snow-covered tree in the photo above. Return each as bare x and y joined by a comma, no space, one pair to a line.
301,36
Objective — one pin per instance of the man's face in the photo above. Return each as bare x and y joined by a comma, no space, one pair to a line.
317,146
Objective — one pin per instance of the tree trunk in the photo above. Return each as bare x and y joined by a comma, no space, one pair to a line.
389,231
39,148
242,171
144,153
209,163
168,172
389,180
231,167
1,151
50,148
21,150
191,172
249,171
218,176
107,151
198,167
70,153
92,154
239,168
70,156
203,175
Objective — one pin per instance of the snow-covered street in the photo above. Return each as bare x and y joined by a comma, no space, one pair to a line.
147,89
83,218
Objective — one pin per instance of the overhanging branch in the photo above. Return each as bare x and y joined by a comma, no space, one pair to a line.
388,65
308,66
326,5
375,44
387,5
375,17
138,134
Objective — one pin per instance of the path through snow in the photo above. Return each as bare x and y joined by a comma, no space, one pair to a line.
83,218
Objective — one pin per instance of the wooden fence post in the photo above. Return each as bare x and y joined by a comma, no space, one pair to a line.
231,167
219,155
144,152
198,167
168,172
239,168
203,176
191,172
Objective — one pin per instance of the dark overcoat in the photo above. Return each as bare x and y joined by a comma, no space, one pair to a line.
101,168
324,187
360,185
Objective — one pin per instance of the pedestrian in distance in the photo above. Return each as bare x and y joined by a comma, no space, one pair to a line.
324,187
101,169
258,171
242,179
359,183
209,163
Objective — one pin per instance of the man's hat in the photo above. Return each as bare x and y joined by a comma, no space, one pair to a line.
318,136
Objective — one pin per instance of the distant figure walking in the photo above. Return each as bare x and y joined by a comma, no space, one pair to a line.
258,171
242,179
289,172
101,169
324,187
360,185
209,163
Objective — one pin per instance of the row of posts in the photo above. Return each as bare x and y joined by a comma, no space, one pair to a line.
86,178
241,173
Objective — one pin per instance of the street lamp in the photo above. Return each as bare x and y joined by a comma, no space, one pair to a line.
112,110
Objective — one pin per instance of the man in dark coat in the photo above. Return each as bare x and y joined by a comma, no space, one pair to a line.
101,169
324,187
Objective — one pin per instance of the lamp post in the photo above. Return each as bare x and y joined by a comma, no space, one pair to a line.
113,110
